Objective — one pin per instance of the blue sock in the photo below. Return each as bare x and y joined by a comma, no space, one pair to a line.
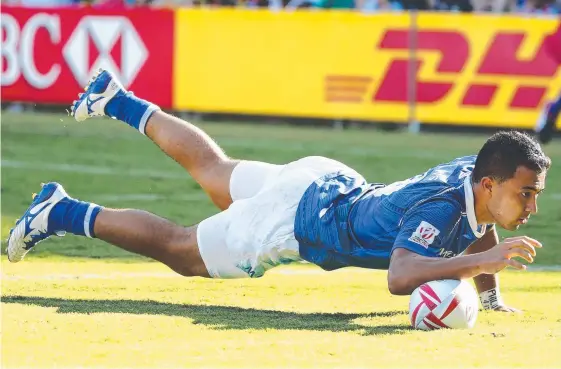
130,109
74,216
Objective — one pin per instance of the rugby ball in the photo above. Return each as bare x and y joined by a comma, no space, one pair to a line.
445,303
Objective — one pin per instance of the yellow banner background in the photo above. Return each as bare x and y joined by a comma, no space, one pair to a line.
292,63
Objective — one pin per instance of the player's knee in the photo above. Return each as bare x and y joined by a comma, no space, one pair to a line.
183,255
219,197
189,267
191,271
214,178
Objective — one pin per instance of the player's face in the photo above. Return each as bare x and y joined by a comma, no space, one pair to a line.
514,200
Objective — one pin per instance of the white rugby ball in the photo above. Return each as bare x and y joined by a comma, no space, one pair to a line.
445,303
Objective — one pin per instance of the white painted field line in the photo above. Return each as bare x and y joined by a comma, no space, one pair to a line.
531,268
148,197
544,268
91,169
112,276
292,146
132,275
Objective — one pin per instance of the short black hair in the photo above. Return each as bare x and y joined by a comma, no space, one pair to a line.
504,152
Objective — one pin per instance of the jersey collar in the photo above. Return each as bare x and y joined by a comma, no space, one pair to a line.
470,209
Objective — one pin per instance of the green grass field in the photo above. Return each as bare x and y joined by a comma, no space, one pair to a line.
76,302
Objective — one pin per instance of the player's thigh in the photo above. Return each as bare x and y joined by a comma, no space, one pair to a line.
248,238
212,239
250,177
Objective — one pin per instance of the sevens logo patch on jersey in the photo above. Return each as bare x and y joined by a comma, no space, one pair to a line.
424,234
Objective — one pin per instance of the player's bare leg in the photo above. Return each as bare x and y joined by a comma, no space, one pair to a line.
54,212
146,234
185,143
195,151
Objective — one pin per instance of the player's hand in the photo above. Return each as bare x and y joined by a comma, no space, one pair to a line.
507,309
502,255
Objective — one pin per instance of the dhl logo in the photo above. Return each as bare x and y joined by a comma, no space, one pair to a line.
496,68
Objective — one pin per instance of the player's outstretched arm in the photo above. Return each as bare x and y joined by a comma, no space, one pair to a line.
409,270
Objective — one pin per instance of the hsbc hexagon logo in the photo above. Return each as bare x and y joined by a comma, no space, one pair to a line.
109,42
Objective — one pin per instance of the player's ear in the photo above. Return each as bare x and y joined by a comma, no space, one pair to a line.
487,183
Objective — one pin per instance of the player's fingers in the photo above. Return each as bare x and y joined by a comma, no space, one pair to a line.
506,309
521,252
529,246
524,245
533,242
518,311
515,264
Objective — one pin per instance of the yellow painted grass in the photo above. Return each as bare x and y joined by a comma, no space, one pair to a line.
68,313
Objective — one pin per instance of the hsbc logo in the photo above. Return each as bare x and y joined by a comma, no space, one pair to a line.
109,42
116,47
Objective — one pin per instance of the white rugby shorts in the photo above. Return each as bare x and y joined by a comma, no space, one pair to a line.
256,232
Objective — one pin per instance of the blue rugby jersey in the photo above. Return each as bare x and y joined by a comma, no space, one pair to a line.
342,220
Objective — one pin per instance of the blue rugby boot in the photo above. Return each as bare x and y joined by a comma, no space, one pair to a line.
33,227
105,96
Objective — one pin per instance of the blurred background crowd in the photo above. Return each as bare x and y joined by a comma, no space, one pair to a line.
535,7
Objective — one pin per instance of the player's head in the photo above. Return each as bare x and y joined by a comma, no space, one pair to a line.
510,170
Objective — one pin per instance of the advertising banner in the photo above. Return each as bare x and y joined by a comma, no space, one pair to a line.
465,69
48,55
307,64
437,68
486,70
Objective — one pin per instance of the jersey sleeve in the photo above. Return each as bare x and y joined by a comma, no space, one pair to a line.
426,228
